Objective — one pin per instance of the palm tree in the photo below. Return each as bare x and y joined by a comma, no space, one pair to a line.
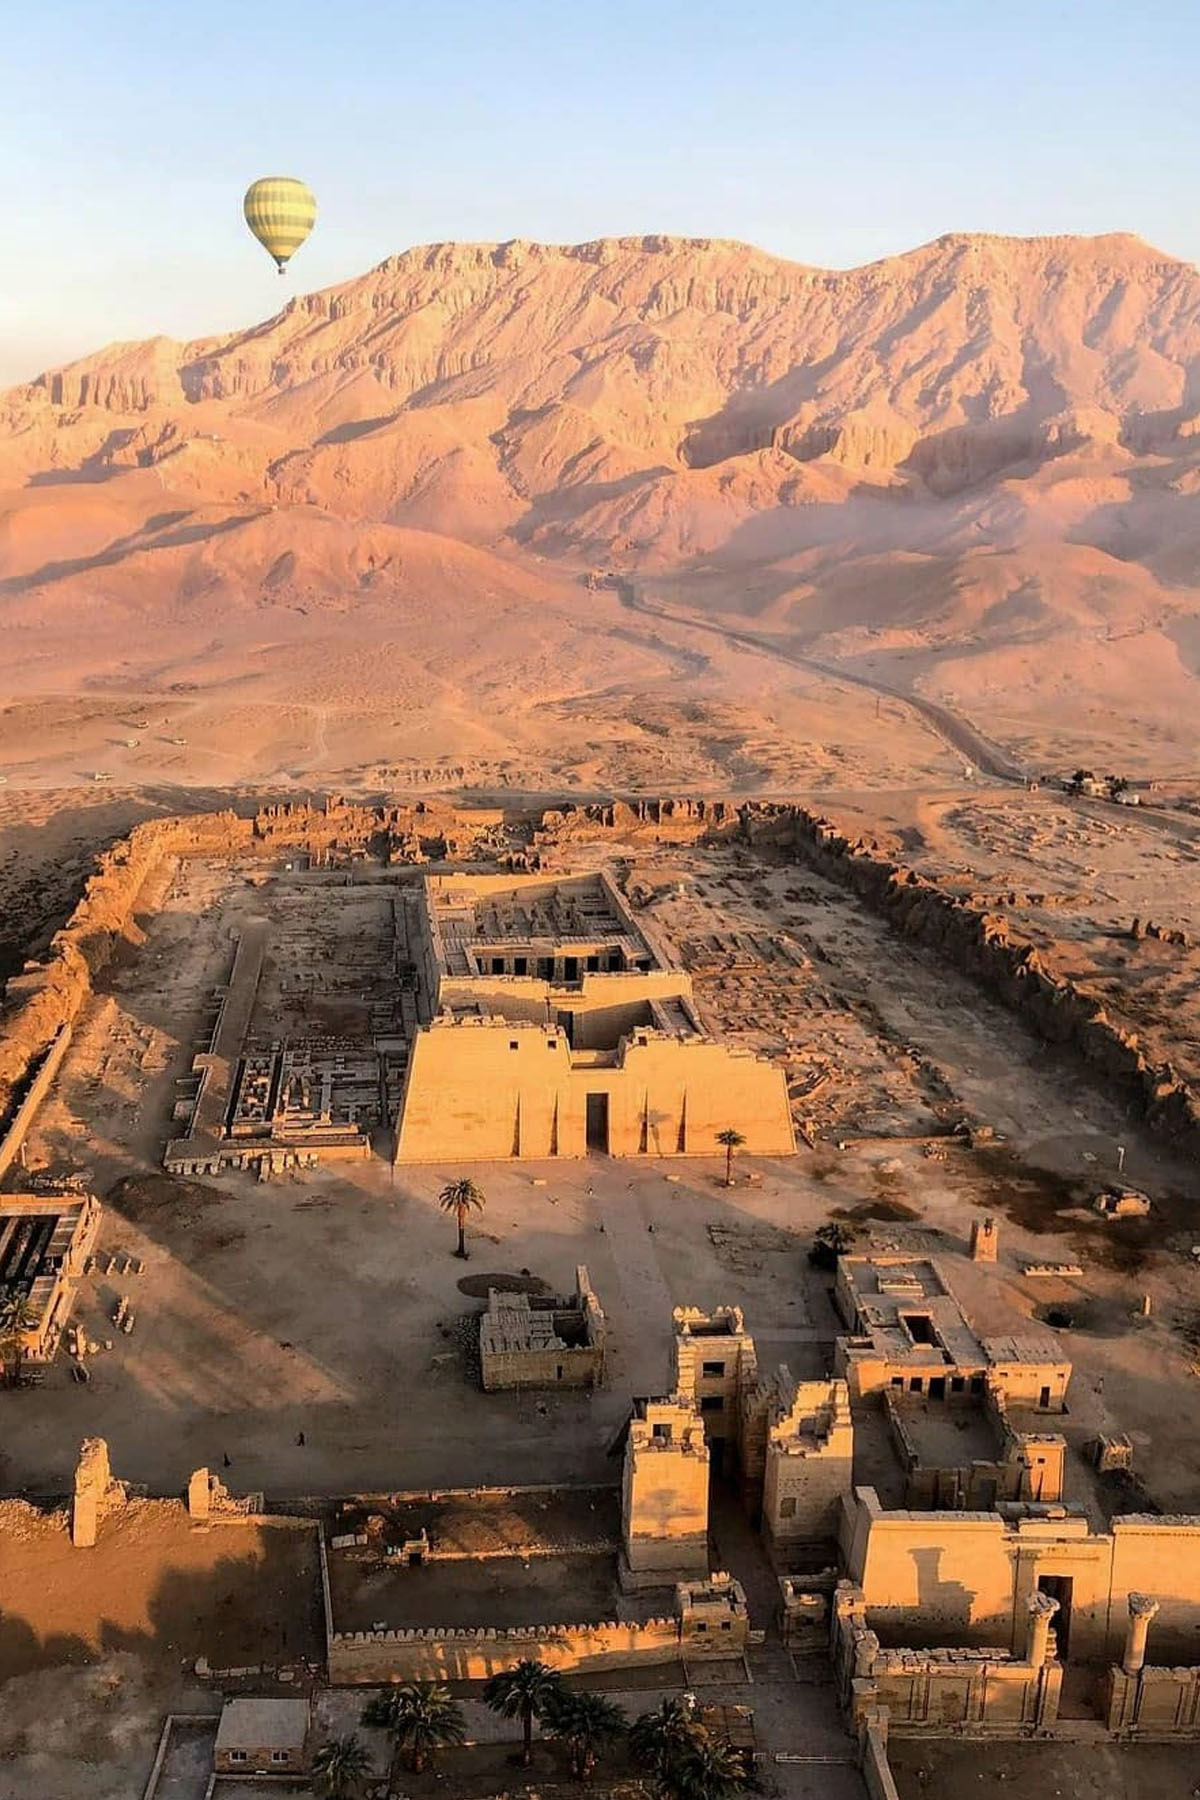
683,1758
706,1769
530,1691
340,1767
460,1197
584,1723
421,1716
829,1242
18,1317
732,1140
659,1739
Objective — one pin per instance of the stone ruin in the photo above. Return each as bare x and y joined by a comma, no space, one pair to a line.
209,1498
96,1495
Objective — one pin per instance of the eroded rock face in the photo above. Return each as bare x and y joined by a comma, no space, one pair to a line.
952,362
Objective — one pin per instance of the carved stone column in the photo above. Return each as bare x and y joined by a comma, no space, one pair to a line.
1142,1609
1042,1608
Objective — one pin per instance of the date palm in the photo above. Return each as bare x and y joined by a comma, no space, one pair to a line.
340,1767
732,1140
585,1723
659,1739
528,1691
419,1716
460,1198
706,1770
18,1317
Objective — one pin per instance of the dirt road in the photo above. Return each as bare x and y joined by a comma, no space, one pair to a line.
958,733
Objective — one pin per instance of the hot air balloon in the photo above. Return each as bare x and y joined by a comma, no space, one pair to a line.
280,211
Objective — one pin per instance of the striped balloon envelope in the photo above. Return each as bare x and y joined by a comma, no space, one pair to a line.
281,212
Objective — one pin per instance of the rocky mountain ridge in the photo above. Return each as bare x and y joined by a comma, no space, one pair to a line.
985,448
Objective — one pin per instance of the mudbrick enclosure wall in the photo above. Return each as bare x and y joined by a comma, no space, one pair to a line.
984,946
46,997
374,1656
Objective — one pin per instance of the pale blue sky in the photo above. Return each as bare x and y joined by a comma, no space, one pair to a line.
829,132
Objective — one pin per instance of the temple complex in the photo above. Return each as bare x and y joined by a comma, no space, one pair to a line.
560,1025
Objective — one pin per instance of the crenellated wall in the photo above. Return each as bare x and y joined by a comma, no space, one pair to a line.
472,1655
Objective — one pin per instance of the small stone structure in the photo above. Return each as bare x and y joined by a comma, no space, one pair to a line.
259,1736
908,1333
1121,1203
45,1242
803,1617
1112,1450
97,1493
208,1498
530,1341
713,1620
985,1240
664,1497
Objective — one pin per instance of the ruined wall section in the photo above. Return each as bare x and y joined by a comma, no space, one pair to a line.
984,946
48,995
472,1655
944,1689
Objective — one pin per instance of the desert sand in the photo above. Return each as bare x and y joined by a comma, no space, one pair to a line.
361,541
642,516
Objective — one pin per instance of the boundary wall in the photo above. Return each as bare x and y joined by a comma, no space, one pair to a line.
472,1655
985,946
980,943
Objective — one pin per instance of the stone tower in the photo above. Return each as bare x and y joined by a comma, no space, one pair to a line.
664,1496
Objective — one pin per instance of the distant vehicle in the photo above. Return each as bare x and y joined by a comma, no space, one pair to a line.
177,740
132,743
101,775
3,780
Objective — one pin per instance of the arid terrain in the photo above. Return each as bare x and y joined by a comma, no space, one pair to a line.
526,527
364,541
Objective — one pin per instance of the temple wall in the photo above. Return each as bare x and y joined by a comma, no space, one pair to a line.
966,1578
470,1095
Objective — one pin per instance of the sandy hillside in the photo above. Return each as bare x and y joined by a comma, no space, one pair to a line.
359,533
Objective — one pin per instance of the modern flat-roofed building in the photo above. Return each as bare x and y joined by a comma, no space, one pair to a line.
263,1737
